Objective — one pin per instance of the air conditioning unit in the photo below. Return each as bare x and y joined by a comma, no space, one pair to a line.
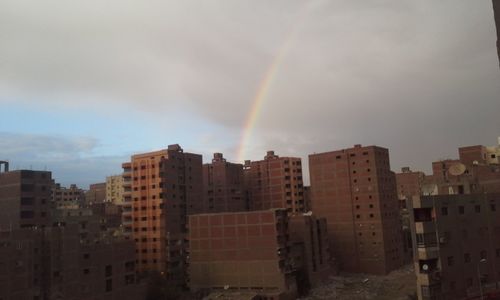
442,240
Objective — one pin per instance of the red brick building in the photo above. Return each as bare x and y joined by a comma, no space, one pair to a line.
223,186
25,197
275,182
355,190
242,251
160,189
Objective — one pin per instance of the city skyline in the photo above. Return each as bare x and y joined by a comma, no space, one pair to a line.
106,82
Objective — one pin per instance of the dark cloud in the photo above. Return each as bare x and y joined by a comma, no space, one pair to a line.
418,77
71,160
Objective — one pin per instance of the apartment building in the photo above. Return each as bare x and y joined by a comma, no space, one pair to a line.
355,190
53,263
457,246
314,264
114,189
161,189
96,193
25,199
477,170
223,186
246,251
67,196
275,182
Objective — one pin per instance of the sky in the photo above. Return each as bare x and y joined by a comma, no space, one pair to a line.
86,84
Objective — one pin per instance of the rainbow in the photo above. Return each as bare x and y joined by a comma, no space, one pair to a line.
264,88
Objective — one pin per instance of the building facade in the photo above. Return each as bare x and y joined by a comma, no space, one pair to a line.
67,196
96,193
223,186
114,189
242,251
457,246
25,199
54,263
275,182
355,190
160,190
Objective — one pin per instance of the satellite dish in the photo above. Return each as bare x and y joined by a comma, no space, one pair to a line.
457,169
425,267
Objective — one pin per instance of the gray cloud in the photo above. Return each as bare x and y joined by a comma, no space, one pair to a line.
418,77
71,159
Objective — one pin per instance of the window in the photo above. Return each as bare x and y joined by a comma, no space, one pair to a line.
493,207
450,260
477,208
27,201
466,257
27,214
468,282
109,270
483,254
109,285
461,210
444,211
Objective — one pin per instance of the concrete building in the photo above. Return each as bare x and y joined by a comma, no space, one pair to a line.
355,190
314,264
96,193
242,251
25,199
275,182
71,196
476,171
409,183
53,263
114,189
457,246
223,186
160,190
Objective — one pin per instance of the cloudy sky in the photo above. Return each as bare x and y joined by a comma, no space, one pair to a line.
85,84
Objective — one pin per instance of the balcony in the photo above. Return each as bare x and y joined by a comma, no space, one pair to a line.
427,253
425,227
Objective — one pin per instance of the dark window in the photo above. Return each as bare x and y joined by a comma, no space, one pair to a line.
483,254
109,285
493,207
444,211
27,201
109,270
461,210
467,257
27,214
451,261
477,208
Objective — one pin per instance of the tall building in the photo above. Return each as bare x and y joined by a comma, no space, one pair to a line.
242,251
223,186
315,263
275,182
355,190
96,193
160,189
114,189
63,196
25,199
457,246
